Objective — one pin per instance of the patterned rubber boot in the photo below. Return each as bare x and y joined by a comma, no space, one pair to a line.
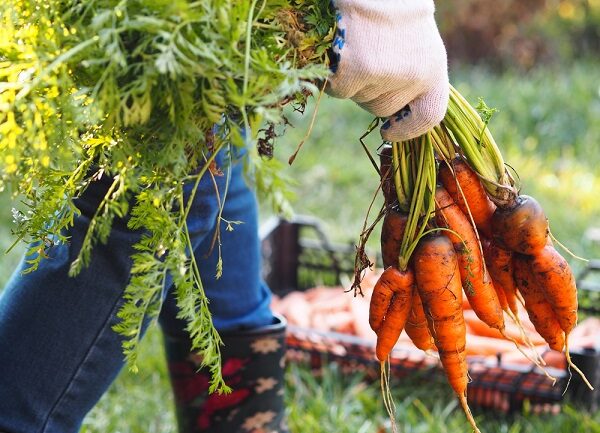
253,366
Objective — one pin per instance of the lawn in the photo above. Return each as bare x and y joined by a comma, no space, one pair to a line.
548,129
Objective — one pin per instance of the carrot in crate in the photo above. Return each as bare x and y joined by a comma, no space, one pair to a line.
551,358
296,309
360,311
479,345
512,331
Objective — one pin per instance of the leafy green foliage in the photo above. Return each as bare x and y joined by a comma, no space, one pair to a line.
132,90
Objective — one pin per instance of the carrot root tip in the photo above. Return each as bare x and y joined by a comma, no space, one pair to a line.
465,406
574,367
386,394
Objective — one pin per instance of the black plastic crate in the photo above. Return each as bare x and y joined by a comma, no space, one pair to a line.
297,255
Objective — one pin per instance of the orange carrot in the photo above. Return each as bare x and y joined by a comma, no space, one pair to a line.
465,184
522,227
397,313
499,264
501,296
360,311
392,232
390,282
438,284
465,304
476,281
479,345
416,326
555,278
551,359
296,309
538,308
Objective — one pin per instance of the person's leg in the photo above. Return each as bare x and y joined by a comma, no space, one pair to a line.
58,351
239,299
254,341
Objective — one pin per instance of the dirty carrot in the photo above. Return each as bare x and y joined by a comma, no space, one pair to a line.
501,295
499,264
383,291
392,231
465,188
538,308
416,326
397,313
439,285
521,227
554,276
475,279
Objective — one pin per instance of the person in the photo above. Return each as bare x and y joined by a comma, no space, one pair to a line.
58,351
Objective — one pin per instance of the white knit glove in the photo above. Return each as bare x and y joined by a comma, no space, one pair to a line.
389,54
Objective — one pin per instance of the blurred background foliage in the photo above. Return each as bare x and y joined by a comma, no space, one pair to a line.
523,34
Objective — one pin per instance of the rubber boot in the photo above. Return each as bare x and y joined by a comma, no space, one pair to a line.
253,364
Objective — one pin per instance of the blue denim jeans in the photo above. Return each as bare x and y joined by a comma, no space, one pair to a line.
58,353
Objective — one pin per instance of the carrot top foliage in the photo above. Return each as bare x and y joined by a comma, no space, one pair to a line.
132,89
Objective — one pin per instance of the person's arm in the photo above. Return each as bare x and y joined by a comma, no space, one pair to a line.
388,54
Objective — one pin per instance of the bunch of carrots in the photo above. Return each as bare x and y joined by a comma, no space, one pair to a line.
455,223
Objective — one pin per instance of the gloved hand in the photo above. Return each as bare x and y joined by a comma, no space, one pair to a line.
388,54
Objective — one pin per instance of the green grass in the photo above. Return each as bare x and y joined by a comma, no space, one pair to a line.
548,130
335,402
137,403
